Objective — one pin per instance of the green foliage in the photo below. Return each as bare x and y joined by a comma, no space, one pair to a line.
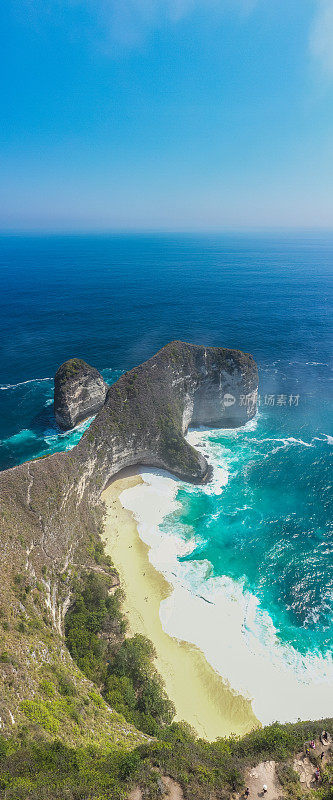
41,770
206,769
41,713
129,764
53,713
5,657
70,369
134,659
95,548
92,612
120,694
144,701
99,554
4,745
65,684
325,792
47,688
277,741
289,780
123,669
96,698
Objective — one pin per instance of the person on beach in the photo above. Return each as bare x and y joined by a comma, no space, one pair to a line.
322,755
247,792
317,774
312,745
264,788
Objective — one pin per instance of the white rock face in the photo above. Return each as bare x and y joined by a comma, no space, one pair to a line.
79,392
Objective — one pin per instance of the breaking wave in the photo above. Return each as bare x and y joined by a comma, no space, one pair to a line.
274,654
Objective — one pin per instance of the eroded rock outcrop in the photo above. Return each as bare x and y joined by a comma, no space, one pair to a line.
148,411
52,501
79,392
50,509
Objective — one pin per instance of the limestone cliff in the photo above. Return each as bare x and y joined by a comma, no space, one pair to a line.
79,392
51,511
149,409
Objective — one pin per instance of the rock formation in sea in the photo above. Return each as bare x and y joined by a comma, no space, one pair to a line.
147,412
51,512
79,392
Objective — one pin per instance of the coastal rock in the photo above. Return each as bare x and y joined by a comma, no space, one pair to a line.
79,392
51,509
148,411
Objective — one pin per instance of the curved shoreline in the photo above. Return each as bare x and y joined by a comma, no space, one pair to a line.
199,694
235,634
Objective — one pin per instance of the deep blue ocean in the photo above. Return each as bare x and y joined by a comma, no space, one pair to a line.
114,301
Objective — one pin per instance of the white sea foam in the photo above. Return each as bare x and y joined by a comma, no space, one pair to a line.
5,386
283,444
52,435
308,363
327,438
229,625
200,440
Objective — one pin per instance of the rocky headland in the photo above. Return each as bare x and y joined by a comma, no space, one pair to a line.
51,511
147,412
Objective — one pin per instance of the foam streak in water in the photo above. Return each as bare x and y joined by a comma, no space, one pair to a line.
5,386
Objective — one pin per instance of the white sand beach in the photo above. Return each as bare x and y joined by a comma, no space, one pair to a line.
199,694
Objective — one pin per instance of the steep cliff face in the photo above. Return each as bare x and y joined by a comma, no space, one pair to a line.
147,412
79,392
51,513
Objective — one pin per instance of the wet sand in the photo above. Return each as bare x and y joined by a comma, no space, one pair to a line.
199,694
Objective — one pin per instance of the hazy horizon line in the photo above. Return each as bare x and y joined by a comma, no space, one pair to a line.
162,231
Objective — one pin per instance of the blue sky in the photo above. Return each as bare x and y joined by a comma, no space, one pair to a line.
166,114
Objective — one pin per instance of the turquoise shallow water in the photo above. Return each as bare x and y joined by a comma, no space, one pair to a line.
28,424
114,301
270,527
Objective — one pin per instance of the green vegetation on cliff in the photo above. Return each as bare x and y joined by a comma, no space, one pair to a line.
123,669
41,688
74,740
35,769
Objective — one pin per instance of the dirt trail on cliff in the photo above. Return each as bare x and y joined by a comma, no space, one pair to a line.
260,775
306,769
264,773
